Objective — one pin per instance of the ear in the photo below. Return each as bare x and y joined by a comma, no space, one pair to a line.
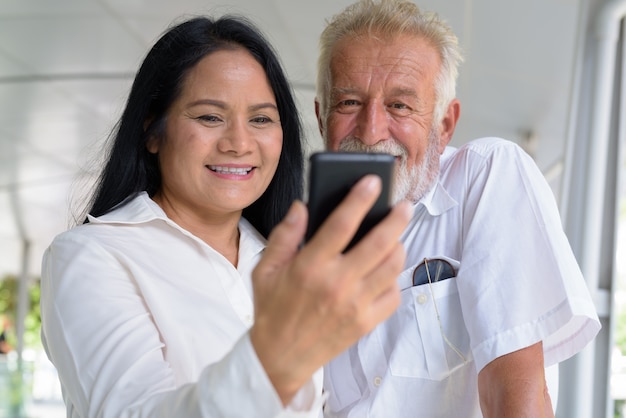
448,123
152,144
320,123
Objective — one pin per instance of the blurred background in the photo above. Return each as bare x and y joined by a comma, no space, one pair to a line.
546,74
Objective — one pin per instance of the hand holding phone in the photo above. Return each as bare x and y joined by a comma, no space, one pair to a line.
332,175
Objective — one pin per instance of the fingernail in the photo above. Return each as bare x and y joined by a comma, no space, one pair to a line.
292,214
371,183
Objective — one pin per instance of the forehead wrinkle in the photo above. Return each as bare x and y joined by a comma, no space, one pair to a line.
400,71
377,53
382,68
406,66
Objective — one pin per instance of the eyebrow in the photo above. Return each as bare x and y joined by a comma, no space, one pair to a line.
223,105
400,91
404,92
335,91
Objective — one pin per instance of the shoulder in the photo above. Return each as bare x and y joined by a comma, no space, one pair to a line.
486,155
75,241
483,149
112,226
493,167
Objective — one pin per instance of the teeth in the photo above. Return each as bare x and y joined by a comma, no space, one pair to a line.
230,170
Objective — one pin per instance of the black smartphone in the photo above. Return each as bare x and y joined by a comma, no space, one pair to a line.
332,175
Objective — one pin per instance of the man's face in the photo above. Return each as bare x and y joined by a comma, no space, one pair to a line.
382,99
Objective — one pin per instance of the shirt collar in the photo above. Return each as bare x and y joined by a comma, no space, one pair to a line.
437,200
141,209
250,240
134,210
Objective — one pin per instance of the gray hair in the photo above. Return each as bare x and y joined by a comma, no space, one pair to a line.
388,19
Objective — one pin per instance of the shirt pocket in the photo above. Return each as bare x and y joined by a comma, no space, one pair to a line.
426,337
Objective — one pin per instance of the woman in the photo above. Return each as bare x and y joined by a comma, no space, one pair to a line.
154,306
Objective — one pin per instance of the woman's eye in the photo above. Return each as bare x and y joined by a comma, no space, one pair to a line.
209,118
260,120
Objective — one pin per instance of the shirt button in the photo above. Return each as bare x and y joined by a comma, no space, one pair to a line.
377,381
422,299
249,319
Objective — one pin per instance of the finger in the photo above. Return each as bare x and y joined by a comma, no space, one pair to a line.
337,230
380,288
380,240
379,296
285,238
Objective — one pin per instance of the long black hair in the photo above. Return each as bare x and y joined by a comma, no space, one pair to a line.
130,168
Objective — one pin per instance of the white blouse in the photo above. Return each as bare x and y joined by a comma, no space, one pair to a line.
143,319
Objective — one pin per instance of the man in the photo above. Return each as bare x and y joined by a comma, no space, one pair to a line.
491,293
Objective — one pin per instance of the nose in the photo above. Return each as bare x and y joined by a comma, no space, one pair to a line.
236,138
372,124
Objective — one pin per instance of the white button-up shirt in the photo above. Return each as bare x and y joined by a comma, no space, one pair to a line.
494,218
143,319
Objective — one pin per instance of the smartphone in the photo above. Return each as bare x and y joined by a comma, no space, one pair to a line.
332,175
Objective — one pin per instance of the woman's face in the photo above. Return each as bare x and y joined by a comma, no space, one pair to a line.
223,138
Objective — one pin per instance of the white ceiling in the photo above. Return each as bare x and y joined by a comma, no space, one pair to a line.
66,67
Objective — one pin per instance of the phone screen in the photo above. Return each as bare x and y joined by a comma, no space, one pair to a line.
332,174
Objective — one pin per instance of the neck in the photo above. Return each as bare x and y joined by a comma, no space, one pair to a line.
219,231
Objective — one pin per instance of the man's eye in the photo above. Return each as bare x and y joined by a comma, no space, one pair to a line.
399,109
346,106
349,102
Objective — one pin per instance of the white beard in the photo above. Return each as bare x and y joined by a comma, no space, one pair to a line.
410,184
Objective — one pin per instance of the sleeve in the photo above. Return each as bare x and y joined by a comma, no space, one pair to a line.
519,280
100,336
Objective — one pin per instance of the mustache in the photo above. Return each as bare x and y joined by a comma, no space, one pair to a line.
352,144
